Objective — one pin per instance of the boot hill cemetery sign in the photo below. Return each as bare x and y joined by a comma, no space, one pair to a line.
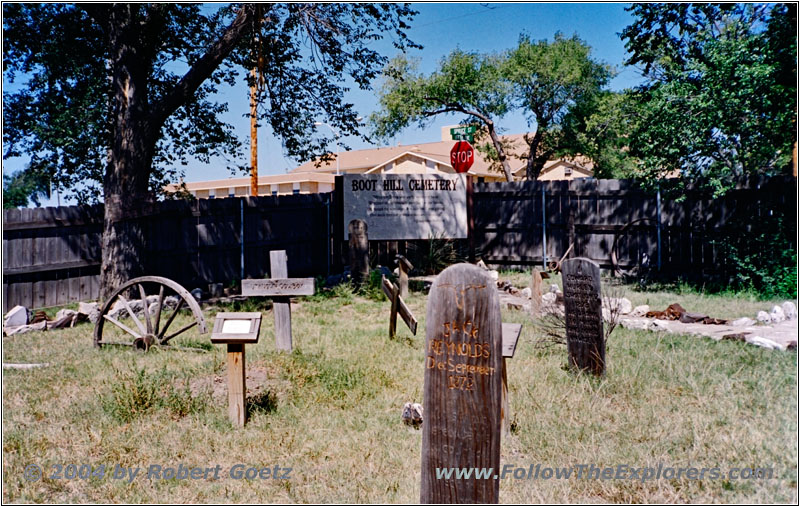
407,206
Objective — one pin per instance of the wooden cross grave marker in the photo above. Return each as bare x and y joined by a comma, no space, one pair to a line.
398,306
280,288
404,267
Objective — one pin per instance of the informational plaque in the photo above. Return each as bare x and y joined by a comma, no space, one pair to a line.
407,206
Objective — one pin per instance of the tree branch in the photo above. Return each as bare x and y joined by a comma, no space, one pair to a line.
203,68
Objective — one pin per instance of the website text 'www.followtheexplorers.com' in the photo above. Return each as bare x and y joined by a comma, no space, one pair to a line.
607,473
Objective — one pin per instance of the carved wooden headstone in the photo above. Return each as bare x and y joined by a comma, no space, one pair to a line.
463,386
359,250
584,315
280,288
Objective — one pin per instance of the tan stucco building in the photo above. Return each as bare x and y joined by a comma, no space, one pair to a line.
422,158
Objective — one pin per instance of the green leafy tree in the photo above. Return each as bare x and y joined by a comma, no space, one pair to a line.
720,100
115,95
465,83
545,80
551,81
25,186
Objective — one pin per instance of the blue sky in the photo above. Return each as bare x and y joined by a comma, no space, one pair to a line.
440,28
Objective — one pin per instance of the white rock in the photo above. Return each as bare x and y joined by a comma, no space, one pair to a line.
65,312
526,292
658,325
482,265
790,310
743,322
92,310
764,342
777,315
17,316
640,311
624,304
554,288
634,323
763,317
549,298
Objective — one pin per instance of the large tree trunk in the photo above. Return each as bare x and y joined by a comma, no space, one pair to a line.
125,186
536,159
136,127
501,153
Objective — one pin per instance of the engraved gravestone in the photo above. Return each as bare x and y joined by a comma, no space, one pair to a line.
359,250
463,386
583,315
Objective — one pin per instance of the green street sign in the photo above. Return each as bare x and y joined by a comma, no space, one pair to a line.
463,130
463,137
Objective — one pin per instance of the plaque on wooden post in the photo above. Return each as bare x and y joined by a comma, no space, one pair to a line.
463,386
511,334
359,251
236,329
584,315
280,288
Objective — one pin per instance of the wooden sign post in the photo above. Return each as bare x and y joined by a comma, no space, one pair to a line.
584,315
404,267
236,329
280,288
398,306
463,386
511,334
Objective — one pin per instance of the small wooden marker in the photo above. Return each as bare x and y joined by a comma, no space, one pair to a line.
584,315
236,329
398,306
280,288
463,386
536,293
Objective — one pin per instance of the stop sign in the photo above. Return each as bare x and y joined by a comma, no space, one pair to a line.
462,156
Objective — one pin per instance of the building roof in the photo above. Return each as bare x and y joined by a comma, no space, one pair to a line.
364,160
292,177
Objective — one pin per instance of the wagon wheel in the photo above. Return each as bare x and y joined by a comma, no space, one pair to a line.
138,324
635,271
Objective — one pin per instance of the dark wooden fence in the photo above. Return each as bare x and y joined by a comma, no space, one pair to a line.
680,233
51,256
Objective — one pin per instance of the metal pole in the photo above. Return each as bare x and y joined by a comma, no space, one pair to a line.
241,234
658,227
544,231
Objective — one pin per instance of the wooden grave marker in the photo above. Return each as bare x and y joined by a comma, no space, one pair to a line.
463,386
236,329
404,267
280,288
398,306
584,315
536,293
359,251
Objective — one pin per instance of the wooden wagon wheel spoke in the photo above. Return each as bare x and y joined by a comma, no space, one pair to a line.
171,318
146,308
122,326
132,314
148,330
158,310
179,331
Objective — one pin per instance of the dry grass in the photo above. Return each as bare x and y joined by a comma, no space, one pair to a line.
331,411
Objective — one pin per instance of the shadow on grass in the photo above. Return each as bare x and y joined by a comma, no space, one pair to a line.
265,402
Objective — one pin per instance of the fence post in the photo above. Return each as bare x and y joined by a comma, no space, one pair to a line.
544,230
241,234
470,220
658,227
